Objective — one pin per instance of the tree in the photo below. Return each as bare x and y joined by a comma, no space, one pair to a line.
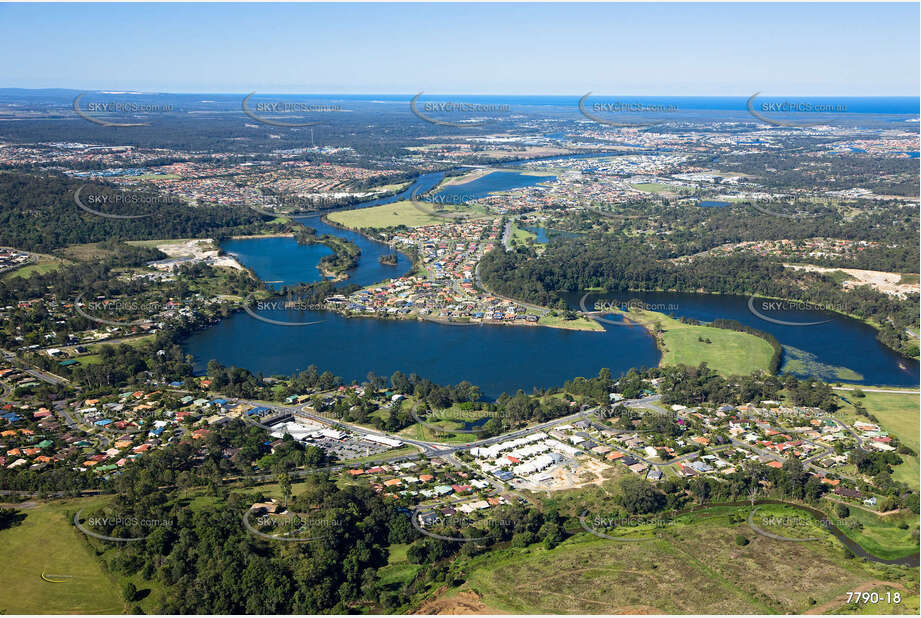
130,592
639,496
284,481
753,492
842,511
10,518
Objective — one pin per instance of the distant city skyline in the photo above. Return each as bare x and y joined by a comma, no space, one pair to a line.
823,49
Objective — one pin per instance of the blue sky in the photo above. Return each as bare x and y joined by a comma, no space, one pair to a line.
653,49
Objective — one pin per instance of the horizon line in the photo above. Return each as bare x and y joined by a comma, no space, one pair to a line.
135,91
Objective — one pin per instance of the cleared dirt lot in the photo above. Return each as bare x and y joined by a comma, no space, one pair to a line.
887,283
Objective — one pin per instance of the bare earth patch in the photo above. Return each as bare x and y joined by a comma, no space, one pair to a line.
887,283
200,249
466,602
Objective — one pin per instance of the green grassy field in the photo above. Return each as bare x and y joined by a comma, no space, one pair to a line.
653,187
908,472
159,177
43,264
730,352
881,536
154,243
391,215
897,414
556,321
522,237
399,570
692,567
417,431
450,419
47,542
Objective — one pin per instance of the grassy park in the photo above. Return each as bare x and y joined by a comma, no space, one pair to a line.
407,213
47,542
726,351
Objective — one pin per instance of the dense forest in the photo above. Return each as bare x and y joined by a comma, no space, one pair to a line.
39,213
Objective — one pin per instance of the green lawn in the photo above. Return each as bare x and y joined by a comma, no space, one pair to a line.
417,431
522,237
132,341
653,187
159,177
398,570
43,264
729,352
881,536
897,414
908,472
47,542
391,215
165,241
557,321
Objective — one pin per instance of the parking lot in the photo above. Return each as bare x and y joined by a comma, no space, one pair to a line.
350,447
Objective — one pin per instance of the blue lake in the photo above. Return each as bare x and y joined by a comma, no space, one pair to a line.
490,183
839,342
495,358
281,261
544,235
498,358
